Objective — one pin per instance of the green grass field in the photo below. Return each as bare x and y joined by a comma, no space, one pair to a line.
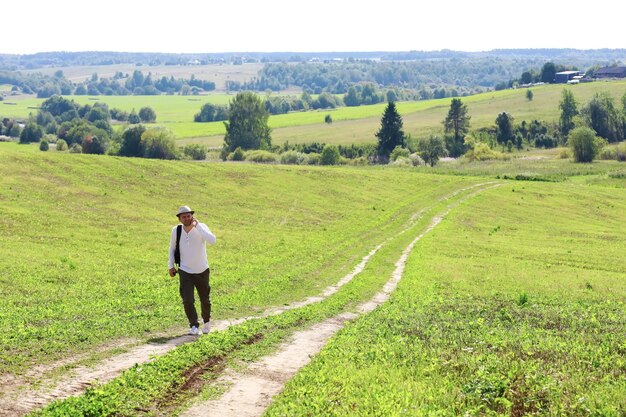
515,305
84,240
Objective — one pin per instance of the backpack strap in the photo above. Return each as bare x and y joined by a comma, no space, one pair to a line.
179,230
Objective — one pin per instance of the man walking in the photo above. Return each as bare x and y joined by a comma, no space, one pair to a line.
188,250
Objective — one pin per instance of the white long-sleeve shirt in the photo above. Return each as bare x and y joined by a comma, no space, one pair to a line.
193,258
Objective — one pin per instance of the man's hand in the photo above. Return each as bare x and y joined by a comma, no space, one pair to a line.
194,222
173,272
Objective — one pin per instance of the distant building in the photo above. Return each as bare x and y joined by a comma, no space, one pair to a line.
611,72
565,76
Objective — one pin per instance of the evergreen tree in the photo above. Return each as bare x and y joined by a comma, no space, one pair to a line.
457,125
390,133
504,128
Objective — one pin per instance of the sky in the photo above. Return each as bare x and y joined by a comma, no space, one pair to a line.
205,26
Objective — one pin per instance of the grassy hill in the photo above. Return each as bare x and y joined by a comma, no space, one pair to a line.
519,285
83,239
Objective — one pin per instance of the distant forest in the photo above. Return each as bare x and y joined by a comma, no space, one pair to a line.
409,75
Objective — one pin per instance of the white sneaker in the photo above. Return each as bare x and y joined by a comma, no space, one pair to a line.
206,328
193,331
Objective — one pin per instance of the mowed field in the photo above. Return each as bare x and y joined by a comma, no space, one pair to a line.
350,124
512,305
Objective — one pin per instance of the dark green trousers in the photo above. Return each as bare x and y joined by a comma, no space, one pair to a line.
201,283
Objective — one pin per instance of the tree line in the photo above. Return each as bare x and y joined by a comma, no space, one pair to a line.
121,84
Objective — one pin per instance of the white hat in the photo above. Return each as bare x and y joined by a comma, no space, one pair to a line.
184,209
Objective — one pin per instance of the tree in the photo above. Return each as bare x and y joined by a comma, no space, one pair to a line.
569,110
526,78
31,133
328,119
390,133
147,115
247,124
457,125
131,141
211,113
95,145
133,118
330,155
431,149
352,97
603,117
504,128
529,95
584,143
159,143
548,72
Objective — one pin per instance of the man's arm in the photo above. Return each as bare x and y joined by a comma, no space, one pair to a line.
170,261
205,232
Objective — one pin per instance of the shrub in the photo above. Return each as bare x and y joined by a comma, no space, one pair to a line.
261,156
564,153
401,161
416,160
330,155
617,153
159,143
397,152
225,154
43,146
361,160
195,151
237,155
61,145
76,148
293,158
314,158
585,144
482,152
147,115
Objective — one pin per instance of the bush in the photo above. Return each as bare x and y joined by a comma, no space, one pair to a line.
564,153
293,158
330,155
416,160
237,155
482,152
397,152
261,156
159,143
401,161
585,144
43,146
61,145
617,153
76,148
361,160
314,158
195,151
